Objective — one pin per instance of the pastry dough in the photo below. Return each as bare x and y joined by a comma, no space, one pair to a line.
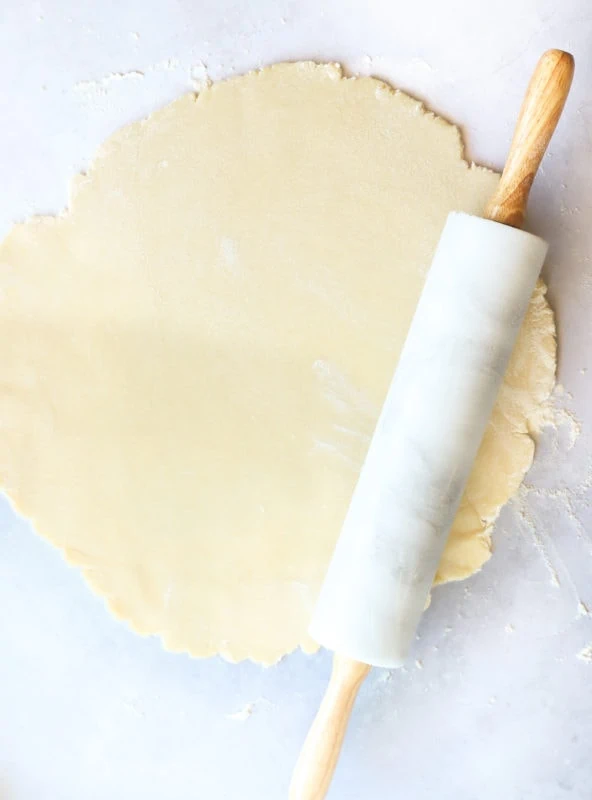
194,355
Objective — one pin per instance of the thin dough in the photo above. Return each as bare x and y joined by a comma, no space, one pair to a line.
194,355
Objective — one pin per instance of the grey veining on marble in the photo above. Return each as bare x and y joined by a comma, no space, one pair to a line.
426,439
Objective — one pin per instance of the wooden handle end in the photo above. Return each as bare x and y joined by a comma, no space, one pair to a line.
539,115
318,758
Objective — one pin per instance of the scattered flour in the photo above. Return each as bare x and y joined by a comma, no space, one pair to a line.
93,90
586,654
247,710
568,498
243,714
582,610
88,89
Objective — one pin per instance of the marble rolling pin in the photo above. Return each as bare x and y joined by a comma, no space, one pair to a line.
436,410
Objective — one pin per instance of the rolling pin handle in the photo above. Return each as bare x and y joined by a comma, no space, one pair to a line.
539,115
320,752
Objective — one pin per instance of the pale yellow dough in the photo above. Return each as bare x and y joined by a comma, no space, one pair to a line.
194,355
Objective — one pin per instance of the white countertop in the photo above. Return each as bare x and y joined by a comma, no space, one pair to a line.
496,701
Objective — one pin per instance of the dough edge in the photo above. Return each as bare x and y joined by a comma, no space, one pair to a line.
528,433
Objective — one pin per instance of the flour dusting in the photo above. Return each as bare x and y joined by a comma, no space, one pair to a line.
243,714
586,654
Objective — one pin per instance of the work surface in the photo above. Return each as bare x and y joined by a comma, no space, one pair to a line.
496,699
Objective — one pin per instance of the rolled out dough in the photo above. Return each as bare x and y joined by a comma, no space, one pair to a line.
194,355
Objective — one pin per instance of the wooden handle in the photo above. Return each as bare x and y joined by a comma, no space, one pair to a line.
319,755
540,112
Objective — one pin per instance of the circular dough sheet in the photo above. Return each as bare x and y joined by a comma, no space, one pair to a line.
194,355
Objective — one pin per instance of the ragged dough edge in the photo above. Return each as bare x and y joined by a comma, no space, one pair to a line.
332,71
534,419
335,71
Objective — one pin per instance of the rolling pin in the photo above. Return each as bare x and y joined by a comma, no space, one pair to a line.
428,433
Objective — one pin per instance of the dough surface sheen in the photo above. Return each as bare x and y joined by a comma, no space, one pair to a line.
195,353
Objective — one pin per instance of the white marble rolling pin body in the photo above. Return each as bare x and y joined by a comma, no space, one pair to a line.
426,439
